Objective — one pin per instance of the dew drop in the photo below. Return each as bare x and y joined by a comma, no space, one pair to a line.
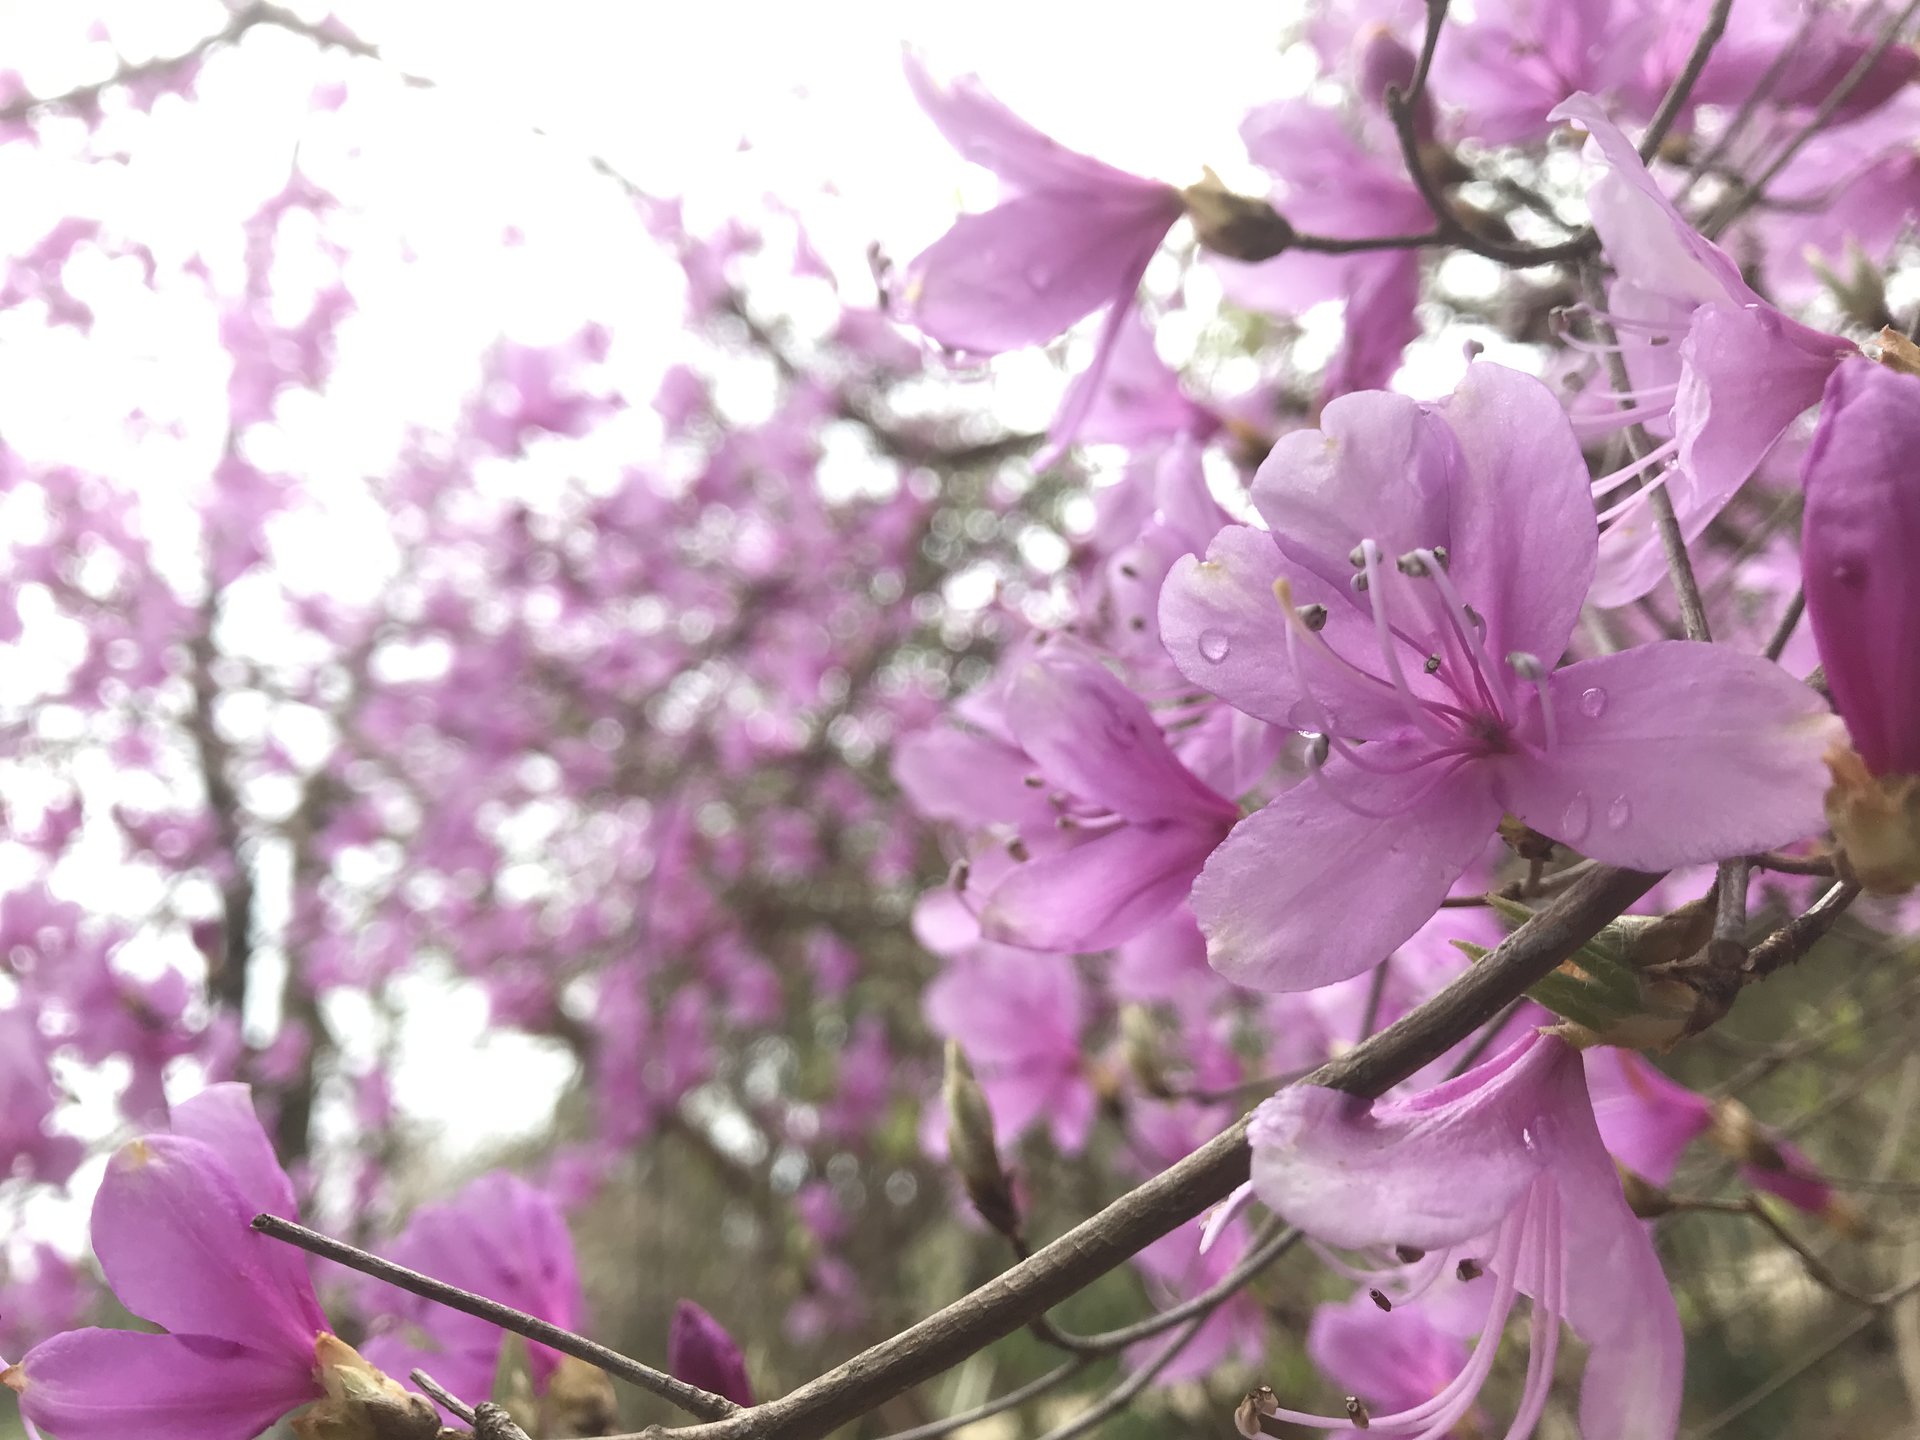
1574,823
1214,645
1619,813
1593,703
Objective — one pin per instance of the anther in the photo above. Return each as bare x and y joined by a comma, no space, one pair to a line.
961,871
1432,667
1017,848
1475,619
1032,782
1358,584
1379,1298
1412,564
1357,557
1314,617
1130,571
1357,1413
1439,553
1469,1270
1318,747
1138,622
1408,1254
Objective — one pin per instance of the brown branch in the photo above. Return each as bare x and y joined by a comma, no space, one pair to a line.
1177,1195
1799,935
690,1398
1682,88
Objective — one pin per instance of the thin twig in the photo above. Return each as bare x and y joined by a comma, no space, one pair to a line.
1682,88
1799,935
1789,621
441,1396
690,1398
1821,865
1122,1395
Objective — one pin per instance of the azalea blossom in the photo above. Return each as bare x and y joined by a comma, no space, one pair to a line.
1424,570
246,1339
507,1240
1498,1174
1713,365
1071,236
1110,826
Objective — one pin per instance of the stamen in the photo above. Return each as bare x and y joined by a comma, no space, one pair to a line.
1472,637
1415,710
1298,626
1543,1331
1613,479
1529,669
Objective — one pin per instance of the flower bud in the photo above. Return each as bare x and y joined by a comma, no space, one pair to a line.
701,1352
580,1399
971,1146
1859,536
1236,226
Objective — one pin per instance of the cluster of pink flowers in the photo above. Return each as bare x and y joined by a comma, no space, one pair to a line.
670,731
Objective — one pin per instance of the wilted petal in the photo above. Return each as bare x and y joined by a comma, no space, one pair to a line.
1673,753
1309,891
171,1230
120,1384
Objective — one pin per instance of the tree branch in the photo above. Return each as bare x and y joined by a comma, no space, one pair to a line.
1178,1194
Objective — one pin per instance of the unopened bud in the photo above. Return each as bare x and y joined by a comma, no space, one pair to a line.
1646,1199
701,1352
1239,227
971,1145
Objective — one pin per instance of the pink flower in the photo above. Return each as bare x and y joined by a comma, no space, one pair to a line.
1743,371
1429,563
1110,826
1071,237
247,1341
1502,1169
701,1352
499,1237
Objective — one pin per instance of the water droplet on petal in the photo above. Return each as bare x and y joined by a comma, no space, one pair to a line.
1593,703
1121,734
1574,823
1214,645
1619,813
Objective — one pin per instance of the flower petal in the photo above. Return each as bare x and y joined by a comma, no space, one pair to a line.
116,1384
1091,735
1099,893
1380,467
1673,753
1308,891
1023,272
1522,533
170,1228
1356,1173
1223,626
222,1117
